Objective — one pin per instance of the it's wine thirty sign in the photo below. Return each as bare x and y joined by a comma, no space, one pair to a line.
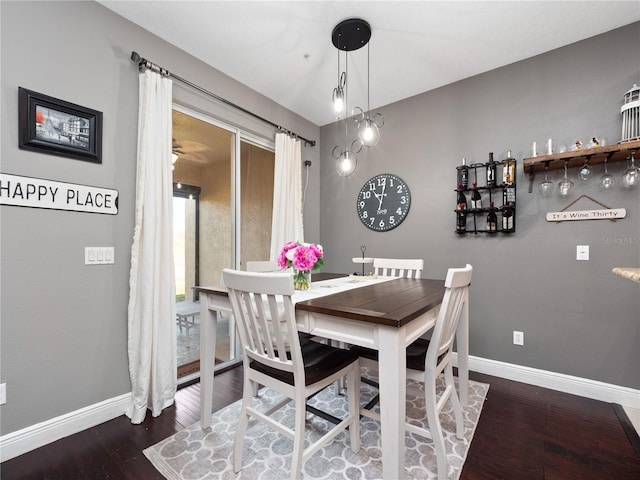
608,214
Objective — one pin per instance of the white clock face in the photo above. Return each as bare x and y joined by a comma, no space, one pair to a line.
383,202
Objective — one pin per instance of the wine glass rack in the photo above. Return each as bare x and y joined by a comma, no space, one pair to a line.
502,195
576,158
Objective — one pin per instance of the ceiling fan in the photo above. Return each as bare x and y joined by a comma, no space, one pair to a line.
189,151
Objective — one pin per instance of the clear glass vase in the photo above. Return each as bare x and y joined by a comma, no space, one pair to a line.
301,279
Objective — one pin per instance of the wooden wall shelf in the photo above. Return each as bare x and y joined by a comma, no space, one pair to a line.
614,153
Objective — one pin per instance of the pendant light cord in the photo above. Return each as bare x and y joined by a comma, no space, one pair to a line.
368,77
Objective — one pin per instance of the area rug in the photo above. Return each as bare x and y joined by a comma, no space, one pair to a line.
197,454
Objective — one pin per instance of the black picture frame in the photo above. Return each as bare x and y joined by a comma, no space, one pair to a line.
53,126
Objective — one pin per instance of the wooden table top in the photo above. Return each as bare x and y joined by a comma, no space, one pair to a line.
393,303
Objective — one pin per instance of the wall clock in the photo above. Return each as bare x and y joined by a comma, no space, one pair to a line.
383,202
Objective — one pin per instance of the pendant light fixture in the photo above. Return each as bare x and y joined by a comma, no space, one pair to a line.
340,91
346,159
369,127
347,36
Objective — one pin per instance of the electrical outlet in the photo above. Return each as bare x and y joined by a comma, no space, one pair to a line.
3,394
518,338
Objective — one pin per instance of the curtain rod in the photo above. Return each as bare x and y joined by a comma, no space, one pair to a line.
143,64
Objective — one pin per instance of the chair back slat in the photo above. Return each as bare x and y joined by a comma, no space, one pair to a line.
455,298
265,317
398,267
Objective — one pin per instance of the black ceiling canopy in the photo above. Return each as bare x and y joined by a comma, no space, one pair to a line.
351,34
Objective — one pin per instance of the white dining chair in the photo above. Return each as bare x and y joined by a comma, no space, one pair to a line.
273,356
272,266
427,359
398,267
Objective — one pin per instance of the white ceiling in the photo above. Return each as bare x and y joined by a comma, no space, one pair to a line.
283,49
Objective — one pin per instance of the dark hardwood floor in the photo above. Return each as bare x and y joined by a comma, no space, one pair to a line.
525,432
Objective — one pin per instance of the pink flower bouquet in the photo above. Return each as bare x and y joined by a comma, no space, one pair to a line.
302,257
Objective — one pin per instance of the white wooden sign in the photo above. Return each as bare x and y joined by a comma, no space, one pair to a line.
608,214
39,193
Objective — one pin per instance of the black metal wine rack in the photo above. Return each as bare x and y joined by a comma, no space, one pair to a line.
502,195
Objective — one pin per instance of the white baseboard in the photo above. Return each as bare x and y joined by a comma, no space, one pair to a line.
40,434
583,387
35,436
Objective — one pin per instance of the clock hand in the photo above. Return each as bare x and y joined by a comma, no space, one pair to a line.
382,195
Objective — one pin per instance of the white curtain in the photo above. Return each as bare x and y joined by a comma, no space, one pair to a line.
286,221
152,331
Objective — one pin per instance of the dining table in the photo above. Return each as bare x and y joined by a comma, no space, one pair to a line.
382,313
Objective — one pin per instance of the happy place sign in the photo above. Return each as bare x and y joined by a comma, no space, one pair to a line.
39,193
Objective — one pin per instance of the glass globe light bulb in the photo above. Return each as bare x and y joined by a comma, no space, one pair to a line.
346,163
369,133
338,100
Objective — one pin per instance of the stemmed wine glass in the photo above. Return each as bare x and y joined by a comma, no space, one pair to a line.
565,184
585,171
546,186
631,176
607,181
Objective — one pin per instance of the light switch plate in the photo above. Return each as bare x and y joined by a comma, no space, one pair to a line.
582,252
98,255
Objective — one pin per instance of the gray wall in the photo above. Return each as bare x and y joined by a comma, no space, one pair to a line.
577,317
64,324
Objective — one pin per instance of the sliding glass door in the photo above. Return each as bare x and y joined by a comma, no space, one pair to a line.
223,191
256,202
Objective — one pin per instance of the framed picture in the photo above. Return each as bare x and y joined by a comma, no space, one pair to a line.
53,126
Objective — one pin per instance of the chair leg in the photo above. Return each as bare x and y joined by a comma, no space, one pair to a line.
243,422
455,401
353,393
431,403
340,384
298,439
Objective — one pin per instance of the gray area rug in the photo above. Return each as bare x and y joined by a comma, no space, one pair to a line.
197,454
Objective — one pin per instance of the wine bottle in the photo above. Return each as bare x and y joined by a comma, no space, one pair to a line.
507,218
476,198
463,174
492,219
461,222
509,170
491,172
462,199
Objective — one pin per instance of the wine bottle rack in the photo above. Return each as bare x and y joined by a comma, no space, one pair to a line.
476,218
